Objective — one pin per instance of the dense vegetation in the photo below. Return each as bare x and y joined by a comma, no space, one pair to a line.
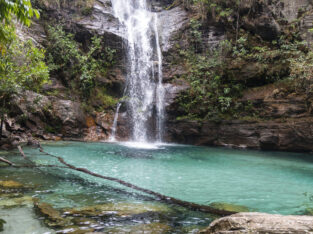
22,64
217,75
78,68
26,65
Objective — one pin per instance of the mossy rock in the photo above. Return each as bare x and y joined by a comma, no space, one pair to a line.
11,184
18,201
229,207
52,216
120,209
151,228
2,222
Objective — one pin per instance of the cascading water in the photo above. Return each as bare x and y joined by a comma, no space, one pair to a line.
144,83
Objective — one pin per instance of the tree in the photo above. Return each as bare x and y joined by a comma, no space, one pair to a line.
11,72
21,9
22,67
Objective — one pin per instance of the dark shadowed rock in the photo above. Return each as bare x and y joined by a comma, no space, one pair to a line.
268,135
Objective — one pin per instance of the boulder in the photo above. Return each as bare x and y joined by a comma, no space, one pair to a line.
260,223
42,114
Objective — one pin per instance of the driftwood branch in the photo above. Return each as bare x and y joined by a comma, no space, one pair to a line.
162,197
21,151
6,161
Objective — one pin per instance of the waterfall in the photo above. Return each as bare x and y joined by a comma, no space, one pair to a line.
113,133
160,88
145,92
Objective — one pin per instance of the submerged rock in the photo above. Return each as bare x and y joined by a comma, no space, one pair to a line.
89,219
16,202
151,228
12,187
229,207
261,223
10,184
119,209
52,216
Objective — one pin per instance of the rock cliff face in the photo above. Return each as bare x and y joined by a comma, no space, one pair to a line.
286,124
284,119
63,116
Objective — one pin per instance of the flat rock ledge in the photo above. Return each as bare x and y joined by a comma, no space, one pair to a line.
260,223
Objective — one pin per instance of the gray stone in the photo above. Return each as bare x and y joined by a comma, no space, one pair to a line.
260,223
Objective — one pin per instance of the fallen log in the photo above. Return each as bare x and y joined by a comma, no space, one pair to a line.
189,205
6,161
21,151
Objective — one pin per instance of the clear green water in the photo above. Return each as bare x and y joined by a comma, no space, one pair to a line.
270,182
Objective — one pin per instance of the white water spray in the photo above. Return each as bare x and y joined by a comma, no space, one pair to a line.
144,91
114,127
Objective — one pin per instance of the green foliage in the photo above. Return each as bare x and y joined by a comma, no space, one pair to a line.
218,9
107,100
210,95
22,67
21,9
302,73
215,92
100,100
216,85
54,129
62,51
65,55
195,30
